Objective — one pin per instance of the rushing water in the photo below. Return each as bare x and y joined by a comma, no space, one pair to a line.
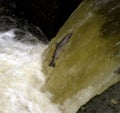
21,78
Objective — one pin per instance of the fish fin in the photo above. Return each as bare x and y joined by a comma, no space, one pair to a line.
52,64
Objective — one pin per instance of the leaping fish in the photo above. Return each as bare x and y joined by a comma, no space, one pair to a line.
58,48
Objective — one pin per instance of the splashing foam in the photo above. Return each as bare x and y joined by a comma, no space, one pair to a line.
21,78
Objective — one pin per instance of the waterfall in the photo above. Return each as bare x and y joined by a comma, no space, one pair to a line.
21,77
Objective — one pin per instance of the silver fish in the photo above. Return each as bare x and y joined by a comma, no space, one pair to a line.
58,48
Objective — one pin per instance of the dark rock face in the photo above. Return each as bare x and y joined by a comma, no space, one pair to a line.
108,102
7,7
48,15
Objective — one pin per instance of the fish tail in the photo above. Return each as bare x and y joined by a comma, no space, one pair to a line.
52,64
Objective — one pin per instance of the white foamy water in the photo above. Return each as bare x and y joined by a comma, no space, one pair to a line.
21,78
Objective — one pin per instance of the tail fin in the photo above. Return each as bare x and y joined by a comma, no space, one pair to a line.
52,64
